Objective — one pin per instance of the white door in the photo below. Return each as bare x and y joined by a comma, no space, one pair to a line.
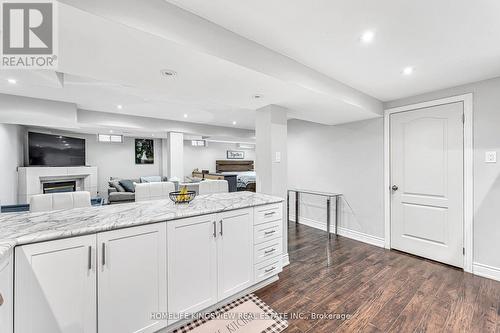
235,252
55,286
427,182
132,281
192,264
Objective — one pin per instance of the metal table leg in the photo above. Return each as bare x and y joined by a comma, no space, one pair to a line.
328,217
297,208
287,208
338,213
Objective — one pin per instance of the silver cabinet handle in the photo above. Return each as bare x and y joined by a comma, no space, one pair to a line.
269,213
270,269
270,251
103,254
215,229
394,188
1,299
221,230
89,258
269,232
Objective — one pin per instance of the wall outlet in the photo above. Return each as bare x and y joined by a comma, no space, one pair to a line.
490,157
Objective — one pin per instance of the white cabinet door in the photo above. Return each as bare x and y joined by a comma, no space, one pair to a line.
192,264
132,279
55,286
235,251
6,296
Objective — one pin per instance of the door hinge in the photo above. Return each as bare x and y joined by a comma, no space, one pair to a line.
463,250
463,118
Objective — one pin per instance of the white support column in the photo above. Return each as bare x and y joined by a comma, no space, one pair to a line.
164,158
175,155
271,156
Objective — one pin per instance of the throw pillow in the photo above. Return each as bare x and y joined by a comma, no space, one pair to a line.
128,185
116,184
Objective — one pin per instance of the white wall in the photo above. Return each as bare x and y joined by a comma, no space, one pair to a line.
11,156
204,158
118,160
344,158
486,96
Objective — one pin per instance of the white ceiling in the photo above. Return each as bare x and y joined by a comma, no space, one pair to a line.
448,42
91,94
305,56
113,56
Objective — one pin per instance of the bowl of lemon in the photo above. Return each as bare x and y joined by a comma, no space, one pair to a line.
182,196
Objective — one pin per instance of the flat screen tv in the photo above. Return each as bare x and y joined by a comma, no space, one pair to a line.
55,150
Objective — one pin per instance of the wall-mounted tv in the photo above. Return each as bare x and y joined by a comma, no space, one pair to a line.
55,150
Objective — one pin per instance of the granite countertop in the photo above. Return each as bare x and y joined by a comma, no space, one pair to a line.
24,228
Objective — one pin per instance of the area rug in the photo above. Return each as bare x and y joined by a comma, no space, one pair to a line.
247,314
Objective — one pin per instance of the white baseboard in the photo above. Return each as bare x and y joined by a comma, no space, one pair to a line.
353,234
486,271
285,261
361,236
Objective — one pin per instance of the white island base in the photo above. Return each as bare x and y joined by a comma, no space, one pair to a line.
131,279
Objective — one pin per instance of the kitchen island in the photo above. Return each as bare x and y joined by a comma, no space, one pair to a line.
135,267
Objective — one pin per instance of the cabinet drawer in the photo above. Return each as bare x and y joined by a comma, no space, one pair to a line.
268,213
267,231
267,250
267,269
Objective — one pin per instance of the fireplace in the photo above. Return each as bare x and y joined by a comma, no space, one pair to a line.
57,187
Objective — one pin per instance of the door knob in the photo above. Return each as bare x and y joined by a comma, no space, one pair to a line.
394,187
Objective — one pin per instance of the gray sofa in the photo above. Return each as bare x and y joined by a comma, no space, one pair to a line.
118,194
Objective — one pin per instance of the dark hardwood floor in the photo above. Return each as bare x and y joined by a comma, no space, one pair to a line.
381,290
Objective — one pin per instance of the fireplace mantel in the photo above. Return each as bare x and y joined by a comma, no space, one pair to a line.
31,179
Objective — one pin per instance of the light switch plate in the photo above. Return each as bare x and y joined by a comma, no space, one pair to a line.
277,158
490,157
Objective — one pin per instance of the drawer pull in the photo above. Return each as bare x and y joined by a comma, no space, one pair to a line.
103,259
270,269
269,232
269,213
89,259
270,251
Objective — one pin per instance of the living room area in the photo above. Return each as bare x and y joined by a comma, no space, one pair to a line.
50,146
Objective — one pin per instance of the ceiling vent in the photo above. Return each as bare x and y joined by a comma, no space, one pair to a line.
168,73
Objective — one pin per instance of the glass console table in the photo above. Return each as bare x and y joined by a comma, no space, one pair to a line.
329,196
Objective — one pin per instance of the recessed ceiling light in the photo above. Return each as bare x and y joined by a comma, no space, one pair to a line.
408,70
257,96
12,81
367,36
234,122
185,115
152,134
119,106
110,131
168,73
